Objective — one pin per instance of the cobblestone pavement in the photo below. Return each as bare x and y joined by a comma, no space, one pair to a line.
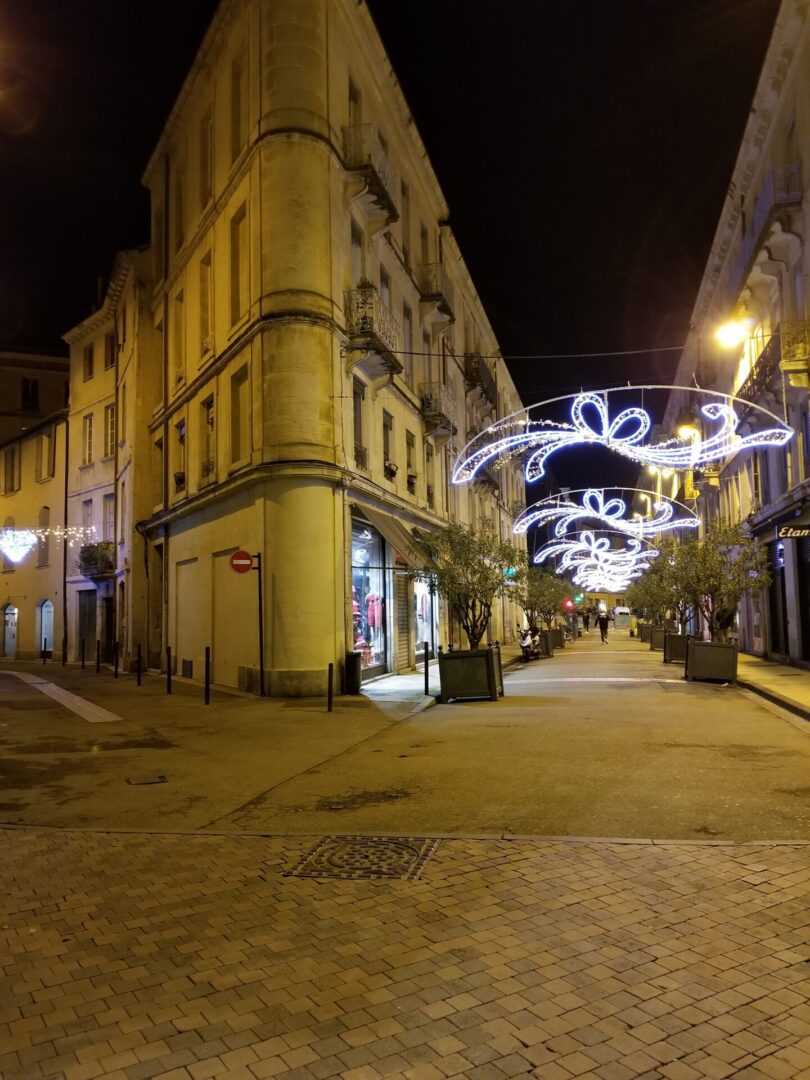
133,956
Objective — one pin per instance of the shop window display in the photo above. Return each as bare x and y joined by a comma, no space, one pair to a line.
369,597
426,619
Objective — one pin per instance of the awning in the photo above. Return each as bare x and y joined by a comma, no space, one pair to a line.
397,535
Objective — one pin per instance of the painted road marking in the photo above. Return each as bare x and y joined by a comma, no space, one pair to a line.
93,714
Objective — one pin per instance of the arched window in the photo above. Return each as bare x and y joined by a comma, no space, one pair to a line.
44,540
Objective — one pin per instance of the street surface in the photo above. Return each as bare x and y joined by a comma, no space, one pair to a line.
157,918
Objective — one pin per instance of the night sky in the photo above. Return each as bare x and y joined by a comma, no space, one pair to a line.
584,149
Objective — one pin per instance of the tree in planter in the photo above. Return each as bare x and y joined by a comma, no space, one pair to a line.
721,568
469,569
665,587
539,592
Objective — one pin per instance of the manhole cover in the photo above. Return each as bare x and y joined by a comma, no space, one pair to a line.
137,781
366,858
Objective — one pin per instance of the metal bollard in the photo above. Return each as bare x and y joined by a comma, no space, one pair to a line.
82,653
44,648
168,669
115,660
98,656
64,651
330,686
138,667
207,674
427,672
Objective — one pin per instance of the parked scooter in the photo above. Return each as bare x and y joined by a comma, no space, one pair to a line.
529,644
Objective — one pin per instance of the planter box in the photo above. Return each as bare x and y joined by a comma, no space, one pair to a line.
470,673
645,632
675,647
557,638
657,637
711,660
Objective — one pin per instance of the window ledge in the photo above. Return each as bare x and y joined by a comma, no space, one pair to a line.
86,465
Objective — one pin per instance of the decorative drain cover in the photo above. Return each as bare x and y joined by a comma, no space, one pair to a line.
366,858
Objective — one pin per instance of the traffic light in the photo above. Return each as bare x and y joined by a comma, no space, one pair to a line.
578,598
569,603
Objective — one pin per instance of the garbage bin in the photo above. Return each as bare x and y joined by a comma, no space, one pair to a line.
353,666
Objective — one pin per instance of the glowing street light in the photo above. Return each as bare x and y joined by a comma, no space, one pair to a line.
733,332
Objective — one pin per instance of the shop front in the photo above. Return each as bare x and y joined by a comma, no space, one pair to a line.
371,593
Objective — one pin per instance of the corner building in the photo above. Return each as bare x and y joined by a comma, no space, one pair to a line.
323,357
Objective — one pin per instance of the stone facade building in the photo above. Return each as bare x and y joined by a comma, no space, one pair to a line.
757,277
289,370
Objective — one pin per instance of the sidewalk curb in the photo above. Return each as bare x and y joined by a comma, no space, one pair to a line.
775,699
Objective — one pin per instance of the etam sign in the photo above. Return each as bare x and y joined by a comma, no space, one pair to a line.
793,532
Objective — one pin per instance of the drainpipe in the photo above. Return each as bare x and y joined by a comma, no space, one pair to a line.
165,366
65,540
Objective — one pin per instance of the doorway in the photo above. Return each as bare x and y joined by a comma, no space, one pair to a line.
45,613
10,614
87,620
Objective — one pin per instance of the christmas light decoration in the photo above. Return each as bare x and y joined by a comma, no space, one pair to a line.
595,564
15,544
625,433
610,512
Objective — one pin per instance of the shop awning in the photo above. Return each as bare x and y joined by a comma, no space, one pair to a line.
397,535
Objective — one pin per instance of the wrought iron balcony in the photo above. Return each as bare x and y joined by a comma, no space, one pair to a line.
788,351
478,378
361,457
208,471
373,334
438,409
488,477
435,288
782,188
364,156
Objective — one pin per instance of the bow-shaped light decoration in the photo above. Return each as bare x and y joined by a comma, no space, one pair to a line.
595,564
592,425
609,512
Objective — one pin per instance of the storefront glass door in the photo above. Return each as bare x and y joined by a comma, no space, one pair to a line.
370,593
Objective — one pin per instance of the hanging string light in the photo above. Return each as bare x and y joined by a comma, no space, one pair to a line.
16,543
610,512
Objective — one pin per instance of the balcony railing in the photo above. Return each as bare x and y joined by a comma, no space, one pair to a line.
208,469
435,285
477,376
361,457
764,368
372,328
438,408
363,153
783,187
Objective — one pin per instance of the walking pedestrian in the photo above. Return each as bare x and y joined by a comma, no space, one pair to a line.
586,620
602,621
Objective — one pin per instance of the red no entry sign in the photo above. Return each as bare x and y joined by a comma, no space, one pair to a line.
241,562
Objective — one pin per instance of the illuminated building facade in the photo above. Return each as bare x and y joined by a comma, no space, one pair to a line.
289,370
755,283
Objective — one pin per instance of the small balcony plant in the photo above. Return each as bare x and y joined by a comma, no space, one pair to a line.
97,561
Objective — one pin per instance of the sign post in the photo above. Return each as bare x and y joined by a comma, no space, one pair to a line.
242,562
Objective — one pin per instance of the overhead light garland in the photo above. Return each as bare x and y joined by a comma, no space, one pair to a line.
625,433
15,543
610,512
595,564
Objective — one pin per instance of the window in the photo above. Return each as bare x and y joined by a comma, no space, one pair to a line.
30,394
43,538
388,429
178,338
206,340
122,415
180,456
406,223
424,247
87,515
385,287
8,565
109,430
158,242
238,103
124,323
88,362
358,254
208,446
239,264
11,469
360,452
109,351
354,105
206,158
87,439
108,517
410,460
427,359
45,465
179,206
240,416
429,481
407,347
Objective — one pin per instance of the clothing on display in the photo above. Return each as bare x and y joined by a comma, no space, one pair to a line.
368,595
